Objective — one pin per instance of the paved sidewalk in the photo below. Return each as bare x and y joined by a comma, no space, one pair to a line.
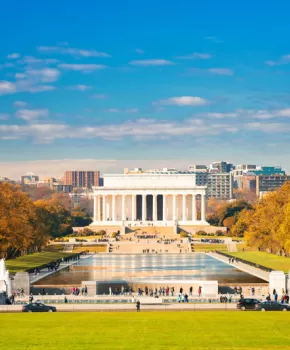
130,307
265,275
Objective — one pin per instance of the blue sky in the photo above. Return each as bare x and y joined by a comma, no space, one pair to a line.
167,80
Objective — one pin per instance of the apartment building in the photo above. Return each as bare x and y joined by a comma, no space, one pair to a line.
85,179
268,183
219,185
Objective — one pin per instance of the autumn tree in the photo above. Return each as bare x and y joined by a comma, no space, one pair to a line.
80,218
20,228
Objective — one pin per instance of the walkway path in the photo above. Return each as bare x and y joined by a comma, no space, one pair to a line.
265,275
44,272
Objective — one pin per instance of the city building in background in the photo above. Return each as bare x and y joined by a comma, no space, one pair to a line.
221,167
219,185
268,183
84,179
198,168
29,179
239,172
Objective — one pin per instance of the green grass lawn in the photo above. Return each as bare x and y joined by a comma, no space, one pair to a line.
272,261
146,330
91,248
32,261
205,247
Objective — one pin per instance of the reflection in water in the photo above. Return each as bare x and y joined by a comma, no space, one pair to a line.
156,267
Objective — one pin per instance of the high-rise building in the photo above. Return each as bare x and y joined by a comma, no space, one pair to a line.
198,168
239,172
268,183
219,185
29,179
222,167
85,179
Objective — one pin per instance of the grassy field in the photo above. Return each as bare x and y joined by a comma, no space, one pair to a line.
90,248
268,260
146,330
32,261
205,247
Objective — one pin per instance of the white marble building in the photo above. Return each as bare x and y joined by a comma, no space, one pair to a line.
163,199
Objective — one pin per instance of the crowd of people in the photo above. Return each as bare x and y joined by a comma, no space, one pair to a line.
77,291
284,299
153,292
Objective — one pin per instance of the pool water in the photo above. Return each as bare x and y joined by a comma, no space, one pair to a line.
114,268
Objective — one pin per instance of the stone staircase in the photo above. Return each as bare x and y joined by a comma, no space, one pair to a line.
68,248
232,247
148,247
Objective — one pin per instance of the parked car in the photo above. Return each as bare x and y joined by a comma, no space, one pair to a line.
248,304
38,307
272,306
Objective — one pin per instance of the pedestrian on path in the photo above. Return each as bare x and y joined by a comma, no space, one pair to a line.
138,305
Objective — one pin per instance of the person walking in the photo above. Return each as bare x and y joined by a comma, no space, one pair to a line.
253,291
199,290
190,291
276,297
138,304
31,298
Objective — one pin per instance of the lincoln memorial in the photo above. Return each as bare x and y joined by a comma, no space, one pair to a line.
159,199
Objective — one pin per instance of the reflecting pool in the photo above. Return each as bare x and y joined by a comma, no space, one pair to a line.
114,268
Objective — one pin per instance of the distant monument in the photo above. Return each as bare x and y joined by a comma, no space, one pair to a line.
5,281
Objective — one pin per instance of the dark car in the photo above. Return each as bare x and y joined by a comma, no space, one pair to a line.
272,306
248,304
38,307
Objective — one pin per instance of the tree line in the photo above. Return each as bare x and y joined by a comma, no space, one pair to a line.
26,226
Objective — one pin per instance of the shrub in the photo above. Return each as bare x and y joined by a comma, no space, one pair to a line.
219,233
80,240
183,234
101,233
114,234
201,233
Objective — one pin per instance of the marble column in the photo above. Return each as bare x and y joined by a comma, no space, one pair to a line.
133,207
104,208
174,207
114,207
95,208
164,208
143,207
123,207
203,207
193,207
184,207
154,207
99,208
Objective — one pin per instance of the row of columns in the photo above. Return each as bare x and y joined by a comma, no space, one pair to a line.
97,207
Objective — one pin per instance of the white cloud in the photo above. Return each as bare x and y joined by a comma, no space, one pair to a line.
221,71
184,101
41,88
84,68
283,60
13,56
99,96
20,76
79,87
45,75
194,55
4,116
72,51
140,51
218,115
269,127
31,114
6,87
151,62
30,60
19,104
